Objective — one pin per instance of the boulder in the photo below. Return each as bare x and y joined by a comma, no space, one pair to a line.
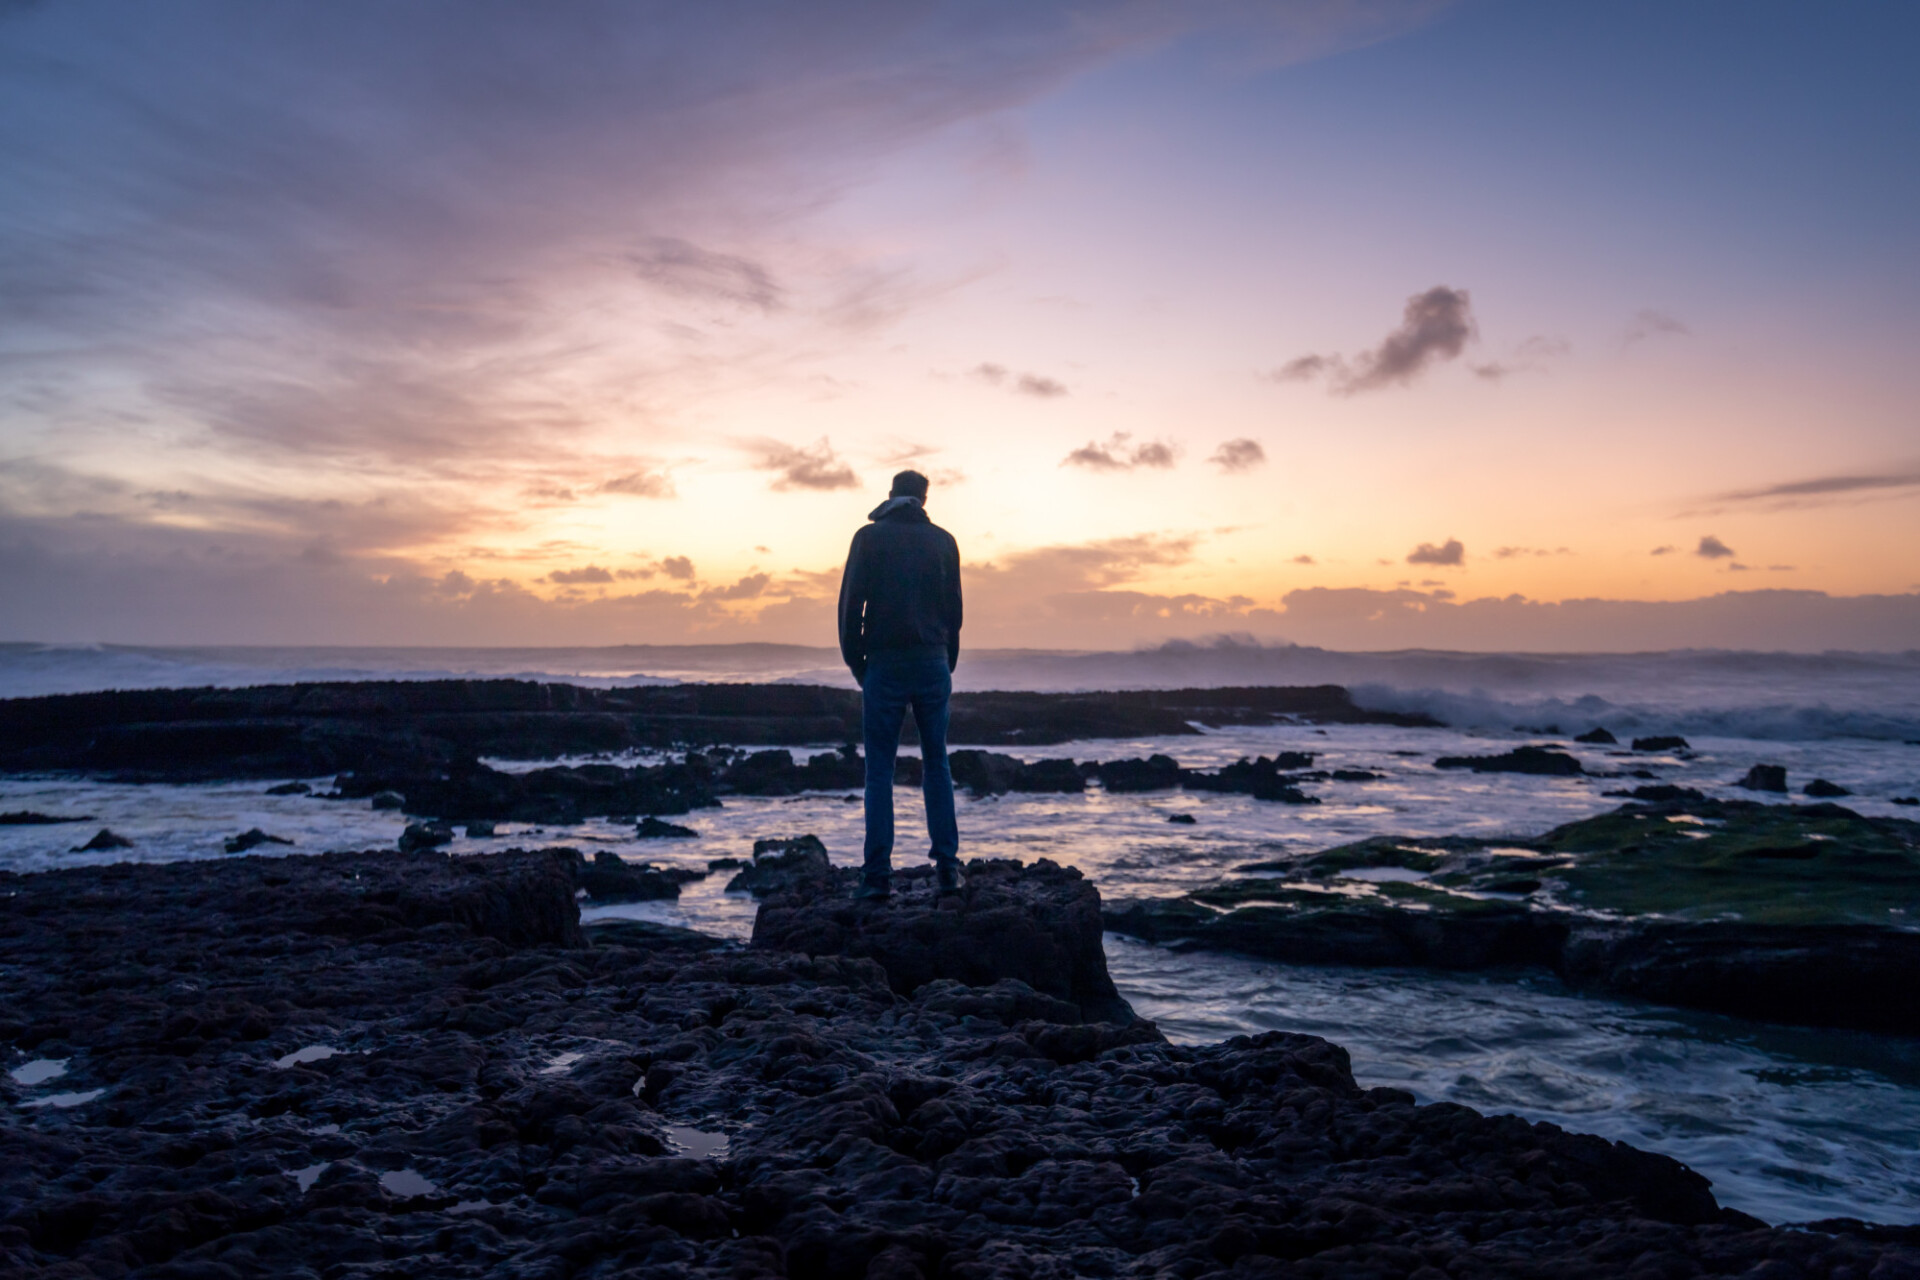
104,839
611,878
1597,737
387,800
1039,924
652,828
290,789
423,835
782,863
1821,789
1529,759
1765,777
253,839
1661,742
1155,773
986,773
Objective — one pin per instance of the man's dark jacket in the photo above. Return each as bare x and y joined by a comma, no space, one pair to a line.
901,589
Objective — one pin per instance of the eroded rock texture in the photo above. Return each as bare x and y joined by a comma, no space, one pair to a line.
508,1097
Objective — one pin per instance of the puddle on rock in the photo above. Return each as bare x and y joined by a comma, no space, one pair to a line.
406,1183
470,1206
312,1053
305,1178
701,1144
65,1100
560,1063
1383,875
39,1071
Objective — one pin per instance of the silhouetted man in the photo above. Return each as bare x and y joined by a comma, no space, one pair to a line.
900,635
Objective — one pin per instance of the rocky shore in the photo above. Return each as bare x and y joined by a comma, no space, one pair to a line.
392,1064
428,726
1805,914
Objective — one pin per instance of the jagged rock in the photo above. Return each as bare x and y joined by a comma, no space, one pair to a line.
1659,793
985,773
1528,759
652,828
1259,778
1183,819
1821,789
253,838
290,789
1039,924
611,878
782,863
1765,777
385,799
1356,775
425,835
1155,773
1597,737
103,839
1661,742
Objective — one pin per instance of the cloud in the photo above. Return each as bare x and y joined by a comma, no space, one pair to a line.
1117,454
1032,384
1653,323
1449,553
1435,326
640,484
678,568
1712,548
1239,455
1302,369
1303,560
687,269
1036,385
814,466
1896,482
1531,356
750,587
591,573
1508,553
1667,550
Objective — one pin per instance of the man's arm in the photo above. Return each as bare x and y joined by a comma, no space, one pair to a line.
853,609
950,612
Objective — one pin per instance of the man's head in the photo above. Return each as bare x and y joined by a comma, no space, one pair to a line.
909,484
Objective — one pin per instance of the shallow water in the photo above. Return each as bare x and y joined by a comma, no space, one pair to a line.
1790,1125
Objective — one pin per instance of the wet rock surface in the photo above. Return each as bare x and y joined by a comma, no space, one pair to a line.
405,1065
422,729
1536,760
1786,913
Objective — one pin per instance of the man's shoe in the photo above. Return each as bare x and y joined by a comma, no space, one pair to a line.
948,878
873,891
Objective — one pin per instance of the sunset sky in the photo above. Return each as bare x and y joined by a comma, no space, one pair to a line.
593,323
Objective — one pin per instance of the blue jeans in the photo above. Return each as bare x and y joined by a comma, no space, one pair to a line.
895,681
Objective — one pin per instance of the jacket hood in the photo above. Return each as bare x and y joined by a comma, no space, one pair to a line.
903,508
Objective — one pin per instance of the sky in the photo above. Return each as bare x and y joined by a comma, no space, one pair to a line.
1372,324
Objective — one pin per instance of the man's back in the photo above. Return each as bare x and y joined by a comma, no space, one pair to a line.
901,589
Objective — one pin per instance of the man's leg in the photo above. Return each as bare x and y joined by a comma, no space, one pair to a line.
883,705
930,713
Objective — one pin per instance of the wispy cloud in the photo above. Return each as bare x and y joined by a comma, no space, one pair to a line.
1821,490
1452,554
1435,326
1239,455
687,269
1509,553
814,466
1036,385
640,484
1531,356
1653,323
1120,454
1044,388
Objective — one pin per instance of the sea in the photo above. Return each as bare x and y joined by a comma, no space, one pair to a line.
1791,1124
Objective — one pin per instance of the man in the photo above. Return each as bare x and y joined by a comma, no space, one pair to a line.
900,635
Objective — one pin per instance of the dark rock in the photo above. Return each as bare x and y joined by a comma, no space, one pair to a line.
1906,800
1259,778
253,838
1664,793
1765,777
1528,759
478,830
1155,773
1039,924
1661,742
425,835
290,789
1356,775
103,839
724,864
28,818
651,828
1597,737
1184,819
783,863
387,800
963,1132
1821,789
985,773
611,878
